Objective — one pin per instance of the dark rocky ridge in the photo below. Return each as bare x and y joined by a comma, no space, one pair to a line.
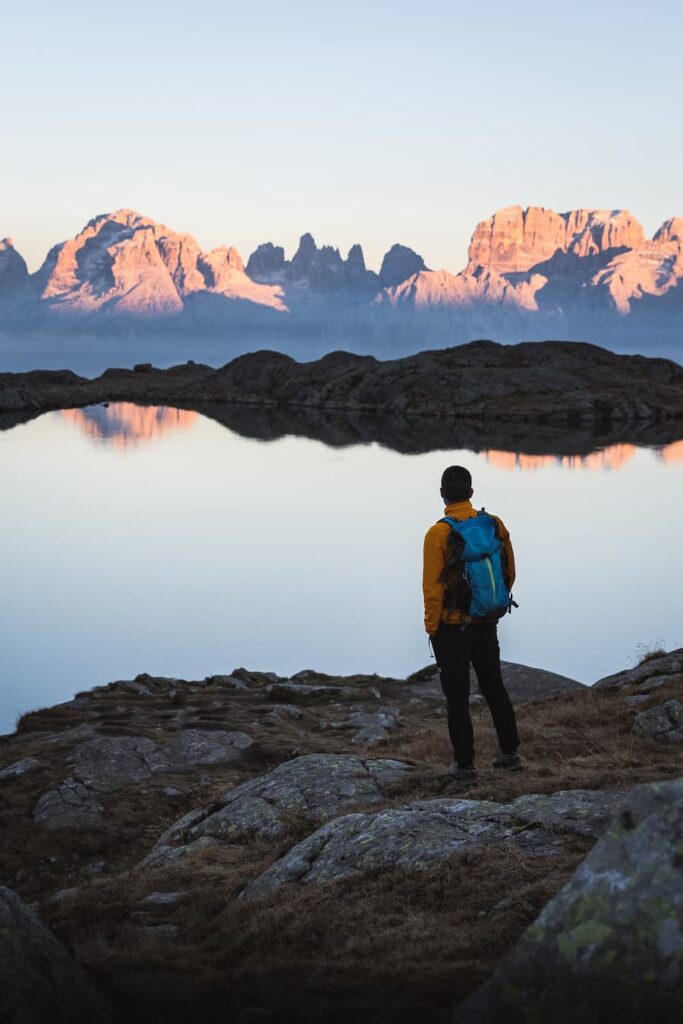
554,384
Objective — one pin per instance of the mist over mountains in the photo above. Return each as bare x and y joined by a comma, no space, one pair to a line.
531,274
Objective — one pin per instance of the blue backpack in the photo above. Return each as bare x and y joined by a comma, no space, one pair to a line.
474,575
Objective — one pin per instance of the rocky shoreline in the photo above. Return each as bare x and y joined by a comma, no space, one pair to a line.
549,384
182,823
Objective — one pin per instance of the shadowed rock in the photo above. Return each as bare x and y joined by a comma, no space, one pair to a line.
522,681
412,837
415,835
39,981
568,383
583,811
316,786
609,946
108,762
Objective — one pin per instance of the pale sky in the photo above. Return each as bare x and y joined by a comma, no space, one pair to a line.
364,121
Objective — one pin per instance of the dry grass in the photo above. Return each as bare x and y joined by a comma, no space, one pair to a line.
394,947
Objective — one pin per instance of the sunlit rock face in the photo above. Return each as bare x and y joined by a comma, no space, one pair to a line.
515,240
123,424
614,457
590,258
126,263
528,270
433,288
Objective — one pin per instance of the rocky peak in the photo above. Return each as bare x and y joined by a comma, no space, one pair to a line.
125,262
514,240
671,232
13,269
399,264
589,232
321,268
267,262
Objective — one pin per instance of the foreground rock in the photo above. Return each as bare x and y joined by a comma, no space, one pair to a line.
39,982
549,382
316,786
416,835
609,946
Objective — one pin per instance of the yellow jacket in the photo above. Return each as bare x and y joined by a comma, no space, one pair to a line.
436,554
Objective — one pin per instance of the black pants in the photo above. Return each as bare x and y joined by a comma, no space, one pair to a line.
454,649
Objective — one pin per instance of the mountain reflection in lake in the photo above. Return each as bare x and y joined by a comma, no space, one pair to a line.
176,546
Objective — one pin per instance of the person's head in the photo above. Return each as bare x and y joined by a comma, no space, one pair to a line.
456,484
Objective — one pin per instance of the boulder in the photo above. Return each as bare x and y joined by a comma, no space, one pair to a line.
609,946
191,748
663,721
523,682
583,811
39,982
69,804
316,786
413,836
369,735
109,762
670,664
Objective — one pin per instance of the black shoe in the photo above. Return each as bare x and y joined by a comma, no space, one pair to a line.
465,776
510,762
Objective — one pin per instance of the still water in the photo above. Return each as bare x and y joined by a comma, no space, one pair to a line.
153,539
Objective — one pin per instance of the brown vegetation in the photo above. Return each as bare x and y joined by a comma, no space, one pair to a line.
397,946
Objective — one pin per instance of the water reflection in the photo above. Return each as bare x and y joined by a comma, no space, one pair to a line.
124,424
158,540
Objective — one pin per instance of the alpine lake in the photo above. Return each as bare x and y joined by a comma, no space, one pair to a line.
152,539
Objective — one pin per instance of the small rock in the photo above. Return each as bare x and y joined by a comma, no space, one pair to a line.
655,682
172,791
637,698
19,768
503,904
661,721
70,804
370,735
97,867
231,682
286,711
161,899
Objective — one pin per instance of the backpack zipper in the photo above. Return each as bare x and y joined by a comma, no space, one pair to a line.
490,569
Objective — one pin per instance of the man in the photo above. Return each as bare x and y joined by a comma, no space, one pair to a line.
459,640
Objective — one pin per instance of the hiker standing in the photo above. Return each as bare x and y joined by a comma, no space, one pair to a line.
469,568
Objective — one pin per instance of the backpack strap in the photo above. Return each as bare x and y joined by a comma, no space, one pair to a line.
451,520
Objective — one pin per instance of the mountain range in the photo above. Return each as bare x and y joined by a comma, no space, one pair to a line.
528,271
